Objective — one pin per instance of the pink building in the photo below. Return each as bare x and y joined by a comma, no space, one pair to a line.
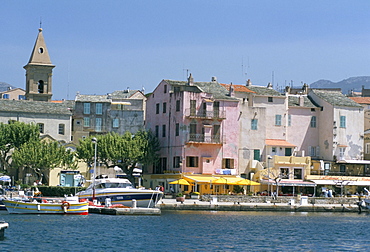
197,126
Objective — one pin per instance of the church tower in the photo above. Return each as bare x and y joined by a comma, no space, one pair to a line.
39,71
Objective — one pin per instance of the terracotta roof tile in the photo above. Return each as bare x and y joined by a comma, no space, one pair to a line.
361,100
278,142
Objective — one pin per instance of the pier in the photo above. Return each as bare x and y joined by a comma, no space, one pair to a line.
124,211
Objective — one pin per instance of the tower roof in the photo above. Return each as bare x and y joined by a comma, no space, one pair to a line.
40,54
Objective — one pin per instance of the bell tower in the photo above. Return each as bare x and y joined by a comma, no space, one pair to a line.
39,71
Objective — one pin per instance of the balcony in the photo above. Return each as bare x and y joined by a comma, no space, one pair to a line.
201,138
204,114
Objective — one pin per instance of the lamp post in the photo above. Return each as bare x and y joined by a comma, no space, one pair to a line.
95,141
268,175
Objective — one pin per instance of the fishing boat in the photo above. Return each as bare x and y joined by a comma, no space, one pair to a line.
119,191
66,205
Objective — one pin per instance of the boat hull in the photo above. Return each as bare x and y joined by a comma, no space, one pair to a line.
20,207
143,198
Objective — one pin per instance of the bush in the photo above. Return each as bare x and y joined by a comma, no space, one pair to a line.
58,191
179,195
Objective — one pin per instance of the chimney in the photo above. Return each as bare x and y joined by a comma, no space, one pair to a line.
214,79
231,90
249,83
269,85
301,100
190,80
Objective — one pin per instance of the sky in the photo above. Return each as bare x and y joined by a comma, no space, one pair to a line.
102,46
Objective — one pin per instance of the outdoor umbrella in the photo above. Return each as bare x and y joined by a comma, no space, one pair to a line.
247,182
5,178
180,182
219,181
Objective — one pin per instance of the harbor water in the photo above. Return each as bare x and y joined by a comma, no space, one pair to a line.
189,231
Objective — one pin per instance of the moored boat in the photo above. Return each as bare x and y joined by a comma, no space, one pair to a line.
3,226
67,205
120,191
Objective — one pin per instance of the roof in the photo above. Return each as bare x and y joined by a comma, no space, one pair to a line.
264,91
237,88
123,94
335,98
35,107
293,101
361,100
212,87
40,54
93,98
278,142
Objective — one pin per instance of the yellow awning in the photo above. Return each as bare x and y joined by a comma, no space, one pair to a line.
180,182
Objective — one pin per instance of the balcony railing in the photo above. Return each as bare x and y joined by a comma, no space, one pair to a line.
215,114
201,138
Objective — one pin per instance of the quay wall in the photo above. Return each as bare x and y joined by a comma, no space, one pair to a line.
280,199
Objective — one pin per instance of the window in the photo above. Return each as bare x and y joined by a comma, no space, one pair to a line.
87,108
177,132
313,122
341,153
342,121
41,127
312,150
5,96
165,88
289,120
21,97
193,104
191,161
61,129
254,124
176,162
157,108
269,99
342,168
163,130
99,108
298,174
164,107
86,121
273,149
98,123
178,105
227,163
257,155
161,166
277,120
156,131
115,122
367,148
284,173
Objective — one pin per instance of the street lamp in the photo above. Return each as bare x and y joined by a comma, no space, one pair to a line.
268,176
95,141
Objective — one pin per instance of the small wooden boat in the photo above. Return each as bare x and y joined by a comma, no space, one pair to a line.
67,205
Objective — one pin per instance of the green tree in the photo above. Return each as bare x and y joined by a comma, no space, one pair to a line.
42,156
124,151
12,136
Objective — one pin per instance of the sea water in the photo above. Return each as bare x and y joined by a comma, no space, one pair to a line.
189,231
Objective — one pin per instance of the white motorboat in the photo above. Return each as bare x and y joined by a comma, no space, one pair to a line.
119,191
3,226
67,205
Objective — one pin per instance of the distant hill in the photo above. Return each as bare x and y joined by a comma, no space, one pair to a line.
353,83
4,86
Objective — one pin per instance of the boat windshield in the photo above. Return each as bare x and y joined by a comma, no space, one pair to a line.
114,185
